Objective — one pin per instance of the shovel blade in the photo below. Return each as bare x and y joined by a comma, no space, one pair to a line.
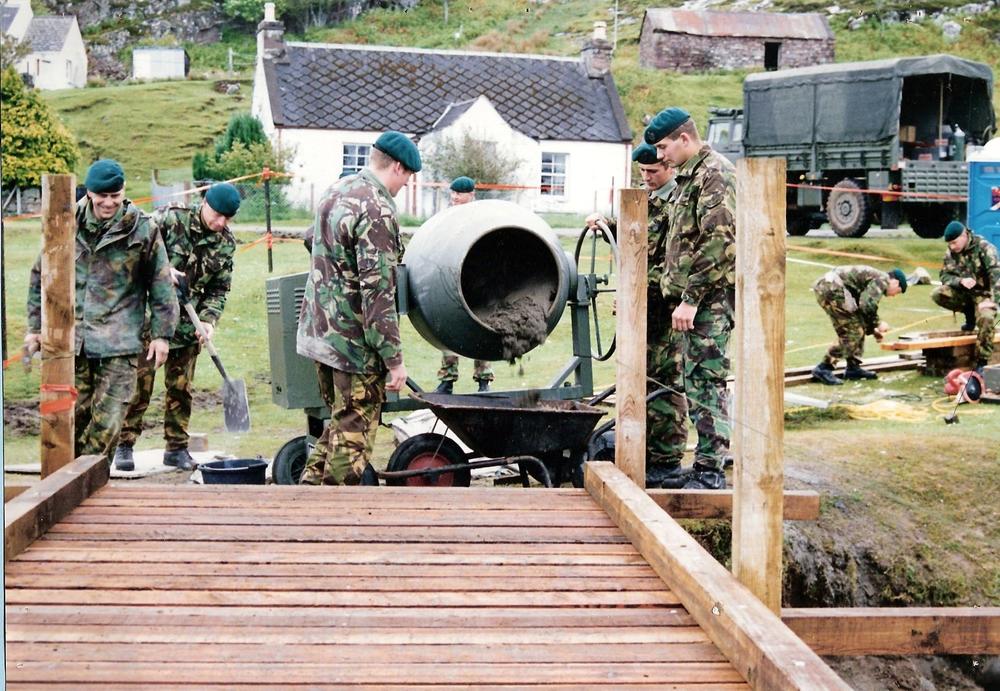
235,407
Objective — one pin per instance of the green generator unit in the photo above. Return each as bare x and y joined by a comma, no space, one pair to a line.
293,377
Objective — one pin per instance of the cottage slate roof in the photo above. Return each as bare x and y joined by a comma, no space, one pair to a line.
371,88
807,25
7,14
48,34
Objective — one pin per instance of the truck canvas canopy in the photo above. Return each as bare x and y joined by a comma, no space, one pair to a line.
868,101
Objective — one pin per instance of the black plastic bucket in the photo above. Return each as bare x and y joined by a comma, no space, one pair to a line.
237,471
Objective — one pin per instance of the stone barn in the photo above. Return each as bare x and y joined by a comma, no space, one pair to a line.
701,40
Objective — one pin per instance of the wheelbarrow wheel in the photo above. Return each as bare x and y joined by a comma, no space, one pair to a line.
290,460
426,452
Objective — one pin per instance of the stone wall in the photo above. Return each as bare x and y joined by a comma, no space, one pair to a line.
688,53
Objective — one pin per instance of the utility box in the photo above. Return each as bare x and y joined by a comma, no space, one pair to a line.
160,63
984,193
293,377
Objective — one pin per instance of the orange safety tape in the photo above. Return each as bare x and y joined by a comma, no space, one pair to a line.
60,404
11,360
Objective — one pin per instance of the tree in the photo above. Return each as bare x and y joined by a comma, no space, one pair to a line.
12,51
463,154
242,149
33,140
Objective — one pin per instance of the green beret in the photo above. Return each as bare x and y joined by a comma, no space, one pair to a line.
463,184
953,230
399,147
899,276
645,154
105,175
665,122
224,199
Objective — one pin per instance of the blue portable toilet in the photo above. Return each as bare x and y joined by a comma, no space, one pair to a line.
984,192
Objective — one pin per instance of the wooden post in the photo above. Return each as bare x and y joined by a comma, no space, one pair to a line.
58,319
630,424
758,364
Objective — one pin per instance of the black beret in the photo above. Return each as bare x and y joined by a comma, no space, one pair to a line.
665,122
399,147
104,176
224,198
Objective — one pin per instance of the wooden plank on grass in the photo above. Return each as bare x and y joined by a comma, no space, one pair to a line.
765,652
696,503
34,511
931,343
898,630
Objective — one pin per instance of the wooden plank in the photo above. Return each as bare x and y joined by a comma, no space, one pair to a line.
898,630
58,274
34,511
630,334
758,395
765,652
644,624
520,686
11,491
663,598
180,672
798,505
931,343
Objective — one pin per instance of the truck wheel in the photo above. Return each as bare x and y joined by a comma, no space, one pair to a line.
848,210
797,224
928,220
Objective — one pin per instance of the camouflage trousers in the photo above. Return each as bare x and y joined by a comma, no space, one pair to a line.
449,369
178,373
104,388
693,366
344,449
962,299
849,327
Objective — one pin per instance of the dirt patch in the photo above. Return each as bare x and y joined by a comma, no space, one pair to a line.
21,418
521,325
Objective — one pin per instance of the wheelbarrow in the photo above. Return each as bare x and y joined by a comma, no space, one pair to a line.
546,439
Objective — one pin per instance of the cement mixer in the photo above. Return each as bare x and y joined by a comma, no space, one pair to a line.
487,280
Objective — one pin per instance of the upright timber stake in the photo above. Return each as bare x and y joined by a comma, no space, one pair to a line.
267,218
758,364
58,320
630,426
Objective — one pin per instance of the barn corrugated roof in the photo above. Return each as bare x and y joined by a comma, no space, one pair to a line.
808,25
373,88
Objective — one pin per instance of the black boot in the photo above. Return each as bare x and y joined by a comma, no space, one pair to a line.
704,477
484,385
855,371
445,387
369,478
123,458
970,318
180,458
666,475
823,373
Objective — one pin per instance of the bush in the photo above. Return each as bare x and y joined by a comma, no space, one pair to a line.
243,149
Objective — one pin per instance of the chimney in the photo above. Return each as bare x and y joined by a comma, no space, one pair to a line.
596,53
270,35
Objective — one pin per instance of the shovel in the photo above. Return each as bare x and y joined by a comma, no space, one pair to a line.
235,407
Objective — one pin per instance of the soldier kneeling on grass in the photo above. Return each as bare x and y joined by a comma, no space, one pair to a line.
850,296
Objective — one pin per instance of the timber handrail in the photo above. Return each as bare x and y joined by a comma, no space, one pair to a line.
28,515
799,505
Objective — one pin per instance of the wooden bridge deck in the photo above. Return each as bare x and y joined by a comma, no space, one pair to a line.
393,587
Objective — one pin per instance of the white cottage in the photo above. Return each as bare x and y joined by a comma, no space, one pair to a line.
560,117
58,58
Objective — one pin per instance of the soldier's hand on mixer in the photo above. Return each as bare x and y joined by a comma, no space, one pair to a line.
397,378
592,220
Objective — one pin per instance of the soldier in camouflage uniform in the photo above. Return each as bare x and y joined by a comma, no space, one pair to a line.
463,191
970,284
850,296
121,269
662,462
698,288
349,324
200,247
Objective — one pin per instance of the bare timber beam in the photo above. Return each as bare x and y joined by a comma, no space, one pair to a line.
898,630
929,343
31,513
762,649
11,491
696,503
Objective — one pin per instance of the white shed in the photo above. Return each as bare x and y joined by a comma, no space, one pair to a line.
160,63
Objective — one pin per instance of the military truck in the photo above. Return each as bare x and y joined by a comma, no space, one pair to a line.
884,140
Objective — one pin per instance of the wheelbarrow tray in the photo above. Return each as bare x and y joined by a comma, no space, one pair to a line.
497,426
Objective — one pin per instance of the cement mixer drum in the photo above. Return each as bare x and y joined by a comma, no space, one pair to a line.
475,270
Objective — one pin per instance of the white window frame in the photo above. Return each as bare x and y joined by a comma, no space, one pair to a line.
355,157
553,178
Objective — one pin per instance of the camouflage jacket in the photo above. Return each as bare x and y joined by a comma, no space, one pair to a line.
204,256
979,261
349,319
699,260
121,268
862,288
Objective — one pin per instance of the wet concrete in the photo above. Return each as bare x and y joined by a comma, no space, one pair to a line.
521,325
